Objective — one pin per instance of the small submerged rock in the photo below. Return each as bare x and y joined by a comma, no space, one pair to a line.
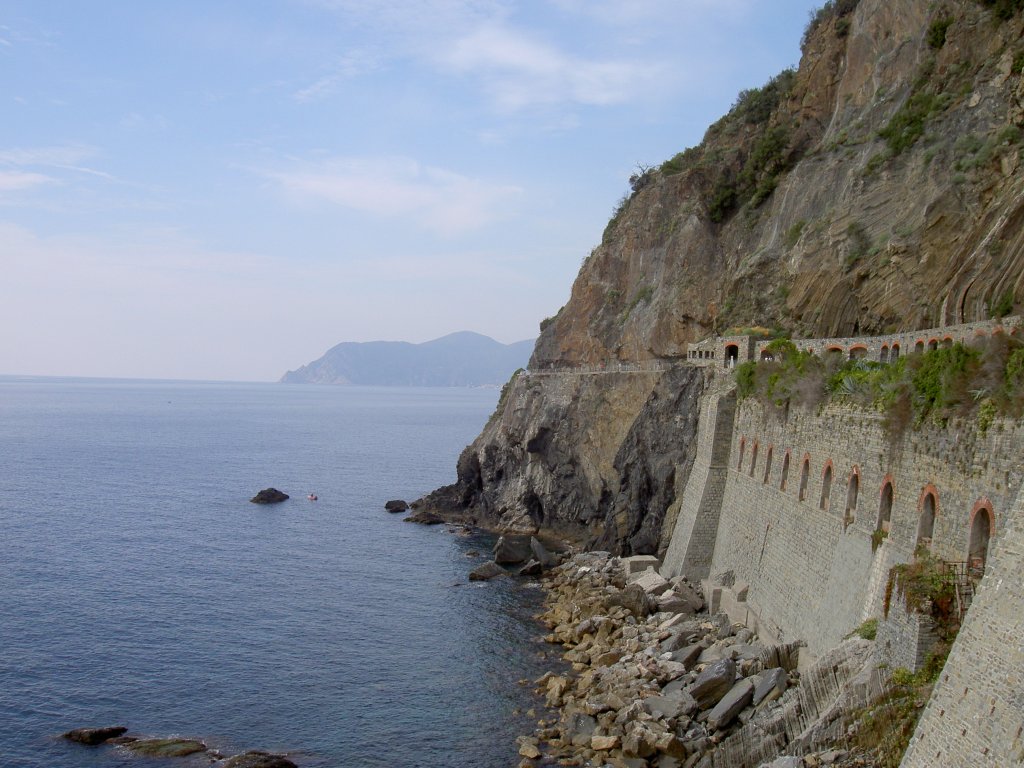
424,518
93,736
487,571
171,747
258,759
269,496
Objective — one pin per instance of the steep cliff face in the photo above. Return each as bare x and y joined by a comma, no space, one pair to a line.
592,457
874,189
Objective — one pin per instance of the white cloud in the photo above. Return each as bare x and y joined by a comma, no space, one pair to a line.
519,72
14,181
349,66
436,199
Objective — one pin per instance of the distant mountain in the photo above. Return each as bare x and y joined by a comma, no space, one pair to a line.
461,359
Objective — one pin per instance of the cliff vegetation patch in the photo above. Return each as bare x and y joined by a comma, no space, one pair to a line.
983,381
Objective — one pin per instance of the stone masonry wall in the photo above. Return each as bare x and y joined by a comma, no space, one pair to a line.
975,716
814,571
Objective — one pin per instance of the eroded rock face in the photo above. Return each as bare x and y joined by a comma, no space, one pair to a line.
594,458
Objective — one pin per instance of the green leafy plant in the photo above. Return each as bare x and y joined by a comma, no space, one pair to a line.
936,36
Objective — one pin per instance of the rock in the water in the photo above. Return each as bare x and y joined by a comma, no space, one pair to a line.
166,747
396,505
269,496
486,571
423,517
731,705
257,759
713,683
93,736
509,549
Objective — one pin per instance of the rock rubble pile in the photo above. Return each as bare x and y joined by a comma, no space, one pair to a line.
657,682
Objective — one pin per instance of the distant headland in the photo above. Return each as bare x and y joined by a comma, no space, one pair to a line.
463,359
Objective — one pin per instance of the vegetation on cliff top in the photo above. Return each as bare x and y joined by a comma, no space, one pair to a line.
983,381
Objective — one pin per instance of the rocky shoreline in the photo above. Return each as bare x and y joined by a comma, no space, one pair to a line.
658,682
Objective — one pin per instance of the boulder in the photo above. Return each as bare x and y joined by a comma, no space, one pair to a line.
396,505
651,582
713,683
687,656
633,599
511,549
93,736
258,759
672,706
532,568
269,496
541,554
486,571
603,743
172,747
423,517
639,563
772,685
734,702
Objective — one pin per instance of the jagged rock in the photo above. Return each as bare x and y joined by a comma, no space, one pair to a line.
532,568
541,554
257,759
172,747
640,740
726,710
269,496
509,550
672,706
651,582
713,683
93,736
486,571
579,728
396,505
687,656
604,743
772,685
633,599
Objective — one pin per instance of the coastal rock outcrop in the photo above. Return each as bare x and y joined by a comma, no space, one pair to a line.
269,496
396,505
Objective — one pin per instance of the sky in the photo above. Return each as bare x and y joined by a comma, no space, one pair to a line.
224,189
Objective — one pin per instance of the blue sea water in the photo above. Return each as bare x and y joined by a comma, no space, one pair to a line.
138,586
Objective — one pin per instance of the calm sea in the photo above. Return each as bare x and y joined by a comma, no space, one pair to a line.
138,586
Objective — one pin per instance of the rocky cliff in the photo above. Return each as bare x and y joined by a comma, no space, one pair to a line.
873,189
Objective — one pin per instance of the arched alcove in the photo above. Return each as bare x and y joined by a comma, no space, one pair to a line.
852,491
768,464
742,451
894,353
927,507
982,527
858,351
885,508
919,346
826,486
753,458
785,472
732,355
883,355
805,472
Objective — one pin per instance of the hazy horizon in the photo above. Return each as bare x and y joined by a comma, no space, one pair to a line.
224,192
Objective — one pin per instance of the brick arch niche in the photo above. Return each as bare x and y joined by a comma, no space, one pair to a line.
852,492
927,508
983,526
885,506
785,471
826,486
805,473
